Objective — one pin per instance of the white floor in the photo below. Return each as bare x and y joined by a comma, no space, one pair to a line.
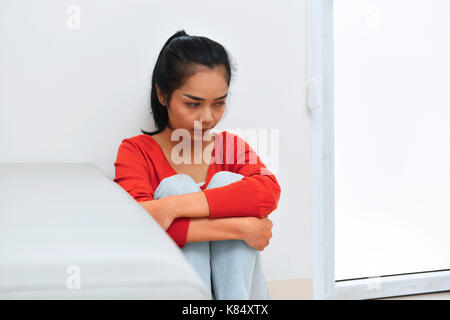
292,289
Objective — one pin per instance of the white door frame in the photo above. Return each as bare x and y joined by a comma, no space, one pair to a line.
320,99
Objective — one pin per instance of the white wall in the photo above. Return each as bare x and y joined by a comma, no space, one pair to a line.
72,95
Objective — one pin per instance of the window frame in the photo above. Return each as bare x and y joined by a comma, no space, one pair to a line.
320,67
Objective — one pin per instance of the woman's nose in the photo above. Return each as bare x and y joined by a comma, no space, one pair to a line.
207,117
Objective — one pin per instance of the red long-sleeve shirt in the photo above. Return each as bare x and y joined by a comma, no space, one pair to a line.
141,164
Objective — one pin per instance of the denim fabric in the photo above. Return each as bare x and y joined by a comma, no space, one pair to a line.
230,269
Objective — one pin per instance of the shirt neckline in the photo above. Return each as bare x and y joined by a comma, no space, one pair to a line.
174,171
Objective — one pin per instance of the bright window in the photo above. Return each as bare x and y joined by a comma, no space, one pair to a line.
392,137
378,83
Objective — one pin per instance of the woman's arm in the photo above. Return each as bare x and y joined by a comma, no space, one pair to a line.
255,232
193,205
169,208
206,229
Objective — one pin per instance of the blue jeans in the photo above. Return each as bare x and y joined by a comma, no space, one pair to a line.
230,269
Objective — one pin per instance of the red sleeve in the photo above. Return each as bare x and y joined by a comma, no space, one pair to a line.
133,175
256,194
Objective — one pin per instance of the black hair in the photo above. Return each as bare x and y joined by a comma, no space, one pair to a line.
180,58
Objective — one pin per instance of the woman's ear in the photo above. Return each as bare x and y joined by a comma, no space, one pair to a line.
161,97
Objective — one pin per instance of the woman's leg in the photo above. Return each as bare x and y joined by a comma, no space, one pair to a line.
197,253
236,269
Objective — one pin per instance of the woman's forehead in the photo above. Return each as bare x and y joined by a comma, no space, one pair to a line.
206,87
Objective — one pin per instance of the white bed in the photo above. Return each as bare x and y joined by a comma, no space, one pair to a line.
64,224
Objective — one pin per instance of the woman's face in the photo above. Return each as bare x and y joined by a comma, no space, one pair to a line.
201,98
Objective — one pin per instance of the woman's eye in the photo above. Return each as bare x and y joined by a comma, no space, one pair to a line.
194,104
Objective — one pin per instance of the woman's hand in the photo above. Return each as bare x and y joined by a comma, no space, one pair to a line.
256,231
163,210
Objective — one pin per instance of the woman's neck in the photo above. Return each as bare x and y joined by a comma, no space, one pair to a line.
166,135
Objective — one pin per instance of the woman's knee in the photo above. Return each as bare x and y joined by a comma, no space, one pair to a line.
223,178
234,248
174,185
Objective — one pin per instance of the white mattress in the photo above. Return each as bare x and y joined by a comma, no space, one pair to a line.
60,218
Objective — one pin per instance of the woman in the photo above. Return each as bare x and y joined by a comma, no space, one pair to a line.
215,209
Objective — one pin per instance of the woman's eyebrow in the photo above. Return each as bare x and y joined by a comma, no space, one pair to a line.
201,99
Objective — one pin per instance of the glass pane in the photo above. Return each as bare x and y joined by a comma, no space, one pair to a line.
392,137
